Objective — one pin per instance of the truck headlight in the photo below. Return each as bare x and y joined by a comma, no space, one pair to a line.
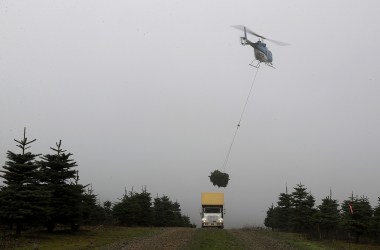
204,220
220,220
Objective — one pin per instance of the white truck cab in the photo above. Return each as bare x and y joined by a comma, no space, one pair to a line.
212,210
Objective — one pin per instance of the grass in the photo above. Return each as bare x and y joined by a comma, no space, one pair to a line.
299,241
214,239
91,238
98,237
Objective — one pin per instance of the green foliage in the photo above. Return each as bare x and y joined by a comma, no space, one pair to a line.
328,215
270,219
375,223
134,209
22,199
302,209
58,169
296,213
219,178
358,222
47,192
66,196
107,208
92,212
283,212
163,211
168,213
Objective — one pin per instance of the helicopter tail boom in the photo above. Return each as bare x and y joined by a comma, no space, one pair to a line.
243,39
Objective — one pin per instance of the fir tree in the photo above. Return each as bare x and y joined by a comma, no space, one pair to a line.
284,211
163,211
66,194
168,213
22,199
302,209
375,224
107,207
328,217
144,200
92,212
271,218
356,216
134,209
177,216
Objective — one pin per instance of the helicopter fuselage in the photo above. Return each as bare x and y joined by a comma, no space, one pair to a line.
262,53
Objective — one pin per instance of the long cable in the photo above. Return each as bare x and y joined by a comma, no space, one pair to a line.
238,125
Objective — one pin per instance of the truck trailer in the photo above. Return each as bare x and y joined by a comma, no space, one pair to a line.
212,210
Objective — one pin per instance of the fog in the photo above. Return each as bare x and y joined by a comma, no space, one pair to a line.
149,93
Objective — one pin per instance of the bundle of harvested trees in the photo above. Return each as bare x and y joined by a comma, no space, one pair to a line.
219,178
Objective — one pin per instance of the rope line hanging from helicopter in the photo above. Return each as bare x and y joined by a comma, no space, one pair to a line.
224,166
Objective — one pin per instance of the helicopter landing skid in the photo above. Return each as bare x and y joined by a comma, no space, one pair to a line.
255,66
270,65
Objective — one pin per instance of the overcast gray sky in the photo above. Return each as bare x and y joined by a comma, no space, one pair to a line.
150,92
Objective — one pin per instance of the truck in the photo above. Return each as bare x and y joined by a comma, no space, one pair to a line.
212,209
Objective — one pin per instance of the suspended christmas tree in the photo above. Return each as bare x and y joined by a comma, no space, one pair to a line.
219,178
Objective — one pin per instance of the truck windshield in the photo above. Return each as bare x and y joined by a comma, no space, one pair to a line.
211,210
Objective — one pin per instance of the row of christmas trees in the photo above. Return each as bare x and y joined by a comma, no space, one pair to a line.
296,212
45,190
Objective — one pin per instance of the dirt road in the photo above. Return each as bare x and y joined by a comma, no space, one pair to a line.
254,239
169,238
184,238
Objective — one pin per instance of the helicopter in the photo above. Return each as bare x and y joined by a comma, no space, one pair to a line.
262,53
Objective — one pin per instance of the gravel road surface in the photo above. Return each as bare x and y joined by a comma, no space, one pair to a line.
178,238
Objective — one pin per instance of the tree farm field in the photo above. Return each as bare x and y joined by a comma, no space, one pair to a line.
113,238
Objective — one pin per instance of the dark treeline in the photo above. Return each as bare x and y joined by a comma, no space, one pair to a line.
353,219
44,190
137,209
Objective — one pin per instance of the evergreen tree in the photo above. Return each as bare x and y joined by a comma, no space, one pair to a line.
375,224
120,212
107,207
283,212
22,199
302,209
92,212
144,200
134,209
177,216
186,222
279,217
168,213
328,216
356,216
66,194
271,218
163,212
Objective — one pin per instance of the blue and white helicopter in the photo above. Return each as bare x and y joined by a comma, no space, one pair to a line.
262,53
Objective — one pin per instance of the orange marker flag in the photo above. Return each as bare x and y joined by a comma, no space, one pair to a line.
350,206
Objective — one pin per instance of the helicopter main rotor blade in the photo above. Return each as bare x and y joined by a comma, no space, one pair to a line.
241,27
278,42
